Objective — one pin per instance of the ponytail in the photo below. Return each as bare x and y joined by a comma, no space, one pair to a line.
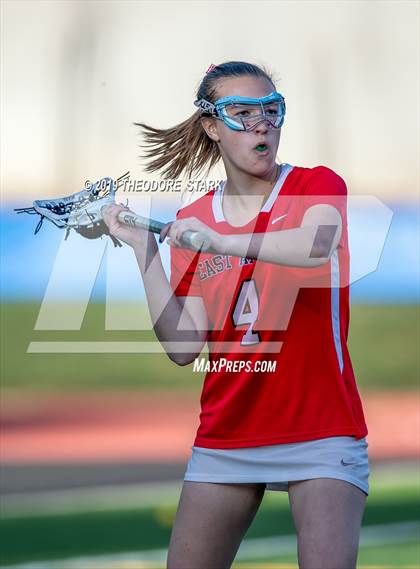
184,147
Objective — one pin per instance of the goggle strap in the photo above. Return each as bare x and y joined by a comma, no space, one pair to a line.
205,106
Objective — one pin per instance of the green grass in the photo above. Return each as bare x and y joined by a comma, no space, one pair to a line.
383,343
40,537
384,346
20,369
389,556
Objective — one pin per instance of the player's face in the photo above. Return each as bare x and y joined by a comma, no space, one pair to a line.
238,148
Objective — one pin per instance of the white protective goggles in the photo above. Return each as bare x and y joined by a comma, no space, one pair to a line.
245,113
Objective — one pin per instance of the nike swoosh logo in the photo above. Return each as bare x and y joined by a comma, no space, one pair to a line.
278,218
346,463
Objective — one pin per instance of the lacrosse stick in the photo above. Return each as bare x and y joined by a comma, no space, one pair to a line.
82,212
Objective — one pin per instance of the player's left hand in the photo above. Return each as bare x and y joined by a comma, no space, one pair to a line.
175,229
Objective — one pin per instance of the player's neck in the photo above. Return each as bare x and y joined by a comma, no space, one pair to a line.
241,183
241,206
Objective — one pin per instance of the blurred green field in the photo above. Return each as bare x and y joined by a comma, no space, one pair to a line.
394,498
389,556
383,344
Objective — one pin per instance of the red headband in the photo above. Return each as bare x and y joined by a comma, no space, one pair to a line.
210,69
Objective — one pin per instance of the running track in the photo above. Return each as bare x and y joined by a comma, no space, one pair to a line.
158,427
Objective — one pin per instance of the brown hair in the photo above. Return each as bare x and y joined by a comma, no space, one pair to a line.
186,146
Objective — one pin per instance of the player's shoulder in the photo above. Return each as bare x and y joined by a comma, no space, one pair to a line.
328,174
324,171
322,179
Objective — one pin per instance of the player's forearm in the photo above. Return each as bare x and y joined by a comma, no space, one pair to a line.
172,324
305,246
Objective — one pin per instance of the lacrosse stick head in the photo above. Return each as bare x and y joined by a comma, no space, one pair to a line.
80,211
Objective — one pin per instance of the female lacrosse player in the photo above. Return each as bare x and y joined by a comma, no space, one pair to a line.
269,293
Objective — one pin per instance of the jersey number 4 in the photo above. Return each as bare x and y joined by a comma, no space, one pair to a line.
245,311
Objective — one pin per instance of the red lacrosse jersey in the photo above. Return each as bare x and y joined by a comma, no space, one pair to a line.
279,369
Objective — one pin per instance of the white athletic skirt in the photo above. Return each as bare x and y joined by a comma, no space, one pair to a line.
342,457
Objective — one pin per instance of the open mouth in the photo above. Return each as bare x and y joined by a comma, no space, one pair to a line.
261,147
